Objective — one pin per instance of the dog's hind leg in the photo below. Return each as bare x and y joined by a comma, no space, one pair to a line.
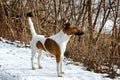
33,52
39,55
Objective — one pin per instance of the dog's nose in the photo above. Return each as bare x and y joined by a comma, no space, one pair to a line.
29,14
79,33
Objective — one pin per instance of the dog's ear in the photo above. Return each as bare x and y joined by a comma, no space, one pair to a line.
29,14
67,25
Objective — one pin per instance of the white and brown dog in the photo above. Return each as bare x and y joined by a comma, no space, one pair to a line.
55,44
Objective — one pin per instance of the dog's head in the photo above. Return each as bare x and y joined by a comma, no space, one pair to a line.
70,29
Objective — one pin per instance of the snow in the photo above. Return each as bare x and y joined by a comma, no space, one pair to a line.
15,64
108,26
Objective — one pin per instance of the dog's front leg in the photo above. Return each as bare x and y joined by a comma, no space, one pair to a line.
58,69
58,60
61,65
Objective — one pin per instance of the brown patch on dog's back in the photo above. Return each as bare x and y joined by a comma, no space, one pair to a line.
53,48
39,45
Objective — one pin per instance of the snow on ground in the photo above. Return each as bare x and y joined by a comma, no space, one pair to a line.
15,64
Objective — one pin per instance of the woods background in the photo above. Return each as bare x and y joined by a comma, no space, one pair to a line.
98,49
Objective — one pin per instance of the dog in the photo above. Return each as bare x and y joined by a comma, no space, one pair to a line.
55,44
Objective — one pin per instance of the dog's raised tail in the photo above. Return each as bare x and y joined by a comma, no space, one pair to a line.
31,26
32,29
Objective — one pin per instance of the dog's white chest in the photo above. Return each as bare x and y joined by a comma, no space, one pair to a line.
62,39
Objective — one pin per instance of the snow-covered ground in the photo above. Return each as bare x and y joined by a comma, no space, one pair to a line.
15,65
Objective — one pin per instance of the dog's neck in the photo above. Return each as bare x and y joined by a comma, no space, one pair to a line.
62,39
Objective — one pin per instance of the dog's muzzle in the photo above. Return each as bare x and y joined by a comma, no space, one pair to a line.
79,33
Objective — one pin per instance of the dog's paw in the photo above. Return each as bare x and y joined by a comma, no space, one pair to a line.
62,72
59,75
33,68
40,67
